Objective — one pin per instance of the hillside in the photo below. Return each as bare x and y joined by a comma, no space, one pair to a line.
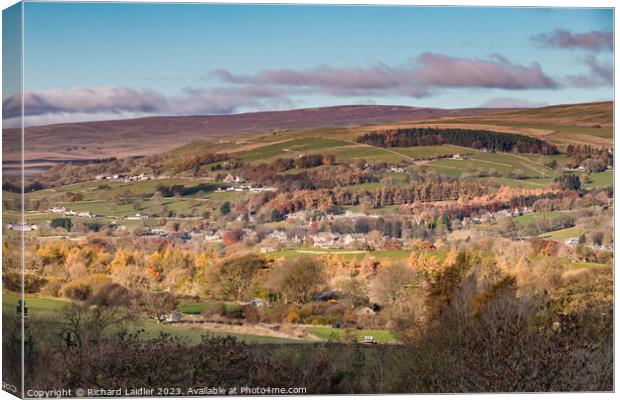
50,144
588,123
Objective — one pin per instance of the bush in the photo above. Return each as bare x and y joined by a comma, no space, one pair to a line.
251,314
52,287
276,313
214,309
108,294
64,223
82,288
297,280
32,283
12,281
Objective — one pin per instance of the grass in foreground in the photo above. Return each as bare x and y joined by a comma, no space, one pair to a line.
48,308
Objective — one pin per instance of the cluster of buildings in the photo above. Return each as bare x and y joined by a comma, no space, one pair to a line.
488,216
244,188
124,178
70,213
137,217
329,240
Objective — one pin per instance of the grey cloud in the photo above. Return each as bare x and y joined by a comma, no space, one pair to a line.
428,72
436,70
599,74
563,39
84,99
122,100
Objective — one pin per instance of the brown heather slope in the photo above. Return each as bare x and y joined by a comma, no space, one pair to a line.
587,123
583,115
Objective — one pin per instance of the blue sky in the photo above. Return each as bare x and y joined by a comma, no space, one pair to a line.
144,59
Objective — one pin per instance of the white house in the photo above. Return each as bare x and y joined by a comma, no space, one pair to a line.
85,214
23,228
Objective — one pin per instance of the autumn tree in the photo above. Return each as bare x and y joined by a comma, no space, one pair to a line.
232,278
393,284
297,280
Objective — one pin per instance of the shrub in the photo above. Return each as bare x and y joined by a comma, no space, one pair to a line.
213,309
52,287
251,314
292,316
108,294
64,223
82,288
32,283
297,280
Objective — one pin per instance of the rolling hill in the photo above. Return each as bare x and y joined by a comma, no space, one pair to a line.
50,144
83,141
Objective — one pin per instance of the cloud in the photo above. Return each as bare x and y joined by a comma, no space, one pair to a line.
563,39
226,100
438,70
424,76
509,102
599,74
428,72
352,81
85,100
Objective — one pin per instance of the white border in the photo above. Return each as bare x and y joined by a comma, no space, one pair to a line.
480,3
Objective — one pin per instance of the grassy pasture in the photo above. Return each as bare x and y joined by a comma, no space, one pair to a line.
369,153
38,307
108,190
564,234
530,218
391,255
503,163
601,179
338,334
290,149
52,309
534,183
197,307
421,152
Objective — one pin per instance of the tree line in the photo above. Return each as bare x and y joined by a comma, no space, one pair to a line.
475,138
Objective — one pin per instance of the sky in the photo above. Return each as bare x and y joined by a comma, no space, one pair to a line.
110,60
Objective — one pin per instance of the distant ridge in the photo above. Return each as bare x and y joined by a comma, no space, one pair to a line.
151,135
51,144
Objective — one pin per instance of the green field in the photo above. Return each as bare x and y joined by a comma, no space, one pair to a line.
197,307
199,198
401,255
601,179
371,154
533,183
290,149
423,152
338,334
38,307
48,308
531,218
108,190
564,234
503,163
